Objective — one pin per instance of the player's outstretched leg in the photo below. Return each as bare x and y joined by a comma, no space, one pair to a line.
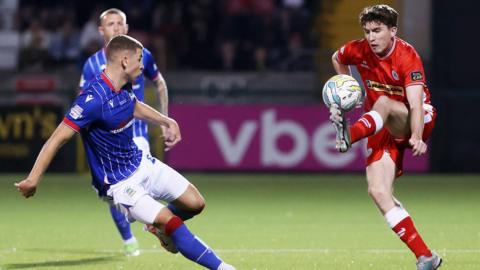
369,124
149,211
429,263
183,214
130,243
337,116
192,247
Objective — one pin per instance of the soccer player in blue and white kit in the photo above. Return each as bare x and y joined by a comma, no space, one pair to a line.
113,22
130,178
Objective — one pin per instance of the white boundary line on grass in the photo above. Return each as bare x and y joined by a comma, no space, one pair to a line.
306,250
277,250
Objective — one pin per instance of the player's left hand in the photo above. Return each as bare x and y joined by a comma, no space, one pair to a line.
419,147
26,187
172,135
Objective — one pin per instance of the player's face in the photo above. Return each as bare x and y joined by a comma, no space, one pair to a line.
111,26
133,65
379,37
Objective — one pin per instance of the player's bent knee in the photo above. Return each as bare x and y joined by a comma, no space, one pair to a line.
200,205
192,200
147,210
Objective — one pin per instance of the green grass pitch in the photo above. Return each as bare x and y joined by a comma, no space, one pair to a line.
253,221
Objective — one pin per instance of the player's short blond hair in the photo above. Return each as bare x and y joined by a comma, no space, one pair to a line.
121,43
379,13
112,11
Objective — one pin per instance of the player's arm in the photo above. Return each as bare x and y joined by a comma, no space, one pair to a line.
60,136
338,66
415,100
151,71
162,93
147,113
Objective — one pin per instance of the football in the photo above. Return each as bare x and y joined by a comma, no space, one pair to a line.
342,90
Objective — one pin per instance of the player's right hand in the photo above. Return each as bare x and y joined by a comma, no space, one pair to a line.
419,147
26,187
172,135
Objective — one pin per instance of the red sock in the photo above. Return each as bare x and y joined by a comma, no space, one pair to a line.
366,126
409,235
173,225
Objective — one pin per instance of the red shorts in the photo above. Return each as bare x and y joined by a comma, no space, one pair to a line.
383,141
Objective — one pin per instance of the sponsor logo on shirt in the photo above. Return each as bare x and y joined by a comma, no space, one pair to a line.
124,125
111,103
416,76
76,112
389,89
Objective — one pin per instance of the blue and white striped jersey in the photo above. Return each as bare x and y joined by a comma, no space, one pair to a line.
95,65
105,120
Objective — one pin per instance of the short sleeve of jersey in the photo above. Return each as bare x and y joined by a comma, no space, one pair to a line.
87,74
150,69
412,68
350,53
86,109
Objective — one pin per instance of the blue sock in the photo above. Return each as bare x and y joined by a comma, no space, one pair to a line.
184,215
121,222
194,249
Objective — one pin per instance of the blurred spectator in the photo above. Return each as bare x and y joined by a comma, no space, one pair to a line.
182,34
238,34
65,46
35,43
200,22
90,39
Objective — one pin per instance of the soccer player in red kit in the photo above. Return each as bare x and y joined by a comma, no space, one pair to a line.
398,116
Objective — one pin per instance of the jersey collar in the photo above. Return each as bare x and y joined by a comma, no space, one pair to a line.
389,53
107,81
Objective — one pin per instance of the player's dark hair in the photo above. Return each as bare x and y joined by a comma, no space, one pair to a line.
379,13
121,43
112,11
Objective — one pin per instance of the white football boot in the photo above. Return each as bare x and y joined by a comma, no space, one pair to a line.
337,117
225,266
429,263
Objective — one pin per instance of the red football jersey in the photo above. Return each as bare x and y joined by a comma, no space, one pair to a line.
389,75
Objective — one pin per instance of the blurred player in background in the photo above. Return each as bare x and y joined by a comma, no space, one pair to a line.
399,116
130,178
113,22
